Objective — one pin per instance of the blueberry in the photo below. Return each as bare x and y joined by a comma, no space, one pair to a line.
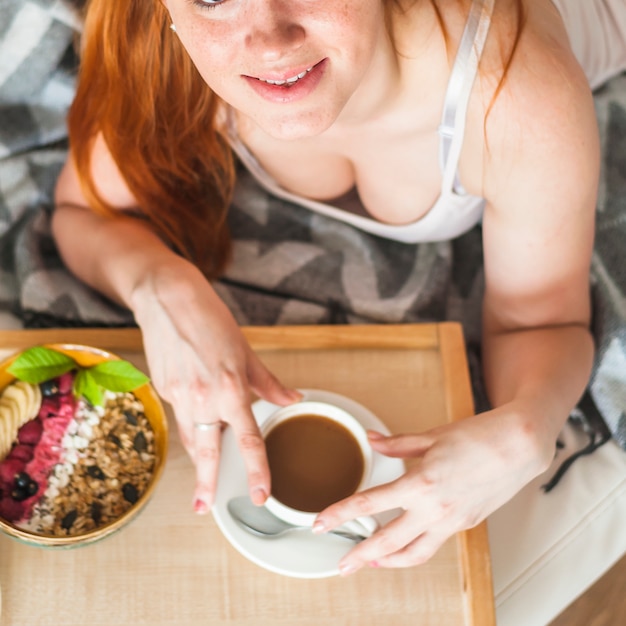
49,387
22,480
19,494
32,488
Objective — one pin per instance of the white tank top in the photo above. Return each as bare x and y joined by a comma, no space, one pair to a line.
455,211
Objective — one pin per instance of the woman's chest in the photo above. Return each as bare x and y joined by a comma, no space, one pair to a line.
396,173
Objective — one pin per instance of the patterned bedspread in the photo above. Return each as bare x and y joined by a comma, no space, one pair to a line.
290,266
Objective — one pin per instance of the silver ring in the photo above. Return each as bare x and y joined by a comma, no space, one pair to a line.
207,427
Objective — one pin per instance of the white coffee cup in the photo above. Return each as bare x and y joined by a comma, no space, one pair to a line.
365,525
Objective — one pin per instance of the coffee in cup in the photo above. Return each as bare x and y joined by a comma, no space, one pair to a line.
318,454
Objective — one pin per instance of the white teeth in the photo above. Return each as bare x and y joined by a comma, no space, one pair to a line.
288,81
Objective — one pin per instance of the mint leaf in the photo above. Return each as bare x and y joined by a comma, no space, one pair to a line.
38,364
86,387
118,376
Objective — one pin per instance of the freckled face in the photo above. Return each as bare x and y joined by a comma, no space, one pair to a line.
290,65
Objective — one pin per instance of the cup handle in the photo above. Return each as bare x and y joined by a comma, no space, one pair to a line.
365,526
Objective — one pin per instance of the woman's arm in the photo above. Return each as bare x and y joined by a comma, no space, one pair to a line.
199,361
540,179
110,255
538,235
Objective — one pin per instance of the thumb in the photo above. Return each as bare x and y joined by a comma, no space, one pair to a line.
267,386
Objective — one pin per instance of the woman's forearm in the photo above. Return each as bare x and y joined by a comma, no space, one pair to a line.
541,374
112,255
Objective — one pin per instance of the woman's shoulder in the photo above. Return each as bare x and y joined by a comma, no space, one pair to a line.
528,49
531,97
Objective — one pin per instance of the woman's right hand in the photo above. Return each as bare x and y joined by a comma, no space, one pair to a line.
201,364
199,360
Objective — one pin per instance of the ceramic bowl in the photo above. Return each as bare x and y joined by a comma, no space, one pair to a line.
117,513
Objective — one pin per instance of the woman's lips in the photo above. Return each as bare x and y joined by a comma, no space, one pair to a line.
295,86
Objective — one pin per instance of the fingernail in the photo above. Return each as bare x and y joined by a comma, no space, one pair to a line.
318,527
295,395
373,434
374,564
200,507
259,495
346,569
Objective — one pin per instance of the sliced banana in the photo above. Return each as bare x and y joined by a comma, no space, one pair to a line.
19,403
9,410
33,395
6,441
25,394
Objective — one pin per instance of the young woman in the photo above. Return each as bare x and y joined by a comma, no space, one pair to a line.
440,114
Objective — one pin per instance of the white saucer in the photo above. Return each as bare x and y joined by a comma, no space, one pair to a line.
297,554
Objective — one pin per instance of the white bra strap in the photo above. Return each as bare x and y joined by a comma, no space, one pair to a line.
464,71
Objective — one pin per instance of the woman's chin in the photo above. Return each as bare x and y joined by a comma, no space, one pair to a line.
291,128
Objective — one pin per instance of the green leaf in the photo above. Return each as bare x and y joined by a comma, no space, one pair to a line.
85,386
118,376
38,364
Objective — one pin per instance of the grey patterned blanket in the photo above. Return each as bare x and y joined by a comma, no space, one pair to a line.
290,266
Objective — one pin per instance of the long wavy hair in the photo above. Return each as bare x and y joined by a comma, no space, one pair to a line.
139,89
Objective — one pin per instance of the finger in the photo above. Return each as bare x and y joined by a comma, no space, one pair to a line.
200,429
416,552
412,445
390,539
183,413
250,443
191,404
266,385
207,444
368,502
185,431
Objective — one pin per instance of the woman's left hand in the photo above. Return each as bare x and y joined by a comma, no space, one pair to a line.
460,473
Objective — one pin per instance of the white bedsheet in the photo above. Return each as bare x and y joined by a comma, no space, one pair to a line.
547,549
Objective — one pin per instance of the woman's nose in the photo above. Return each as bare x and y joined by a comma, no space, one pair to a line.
273,33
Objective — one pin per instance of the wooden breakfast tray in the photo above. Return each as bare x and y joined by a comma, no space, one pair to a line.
171,566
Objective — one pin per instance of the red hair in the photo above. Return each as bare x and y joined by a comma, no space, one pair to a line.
138,87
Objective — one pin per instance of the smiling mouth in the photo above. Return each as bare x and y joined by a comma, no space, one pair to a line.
288,82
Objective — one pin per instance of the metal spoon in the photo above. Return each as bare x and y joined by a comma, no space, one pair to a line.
257,520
